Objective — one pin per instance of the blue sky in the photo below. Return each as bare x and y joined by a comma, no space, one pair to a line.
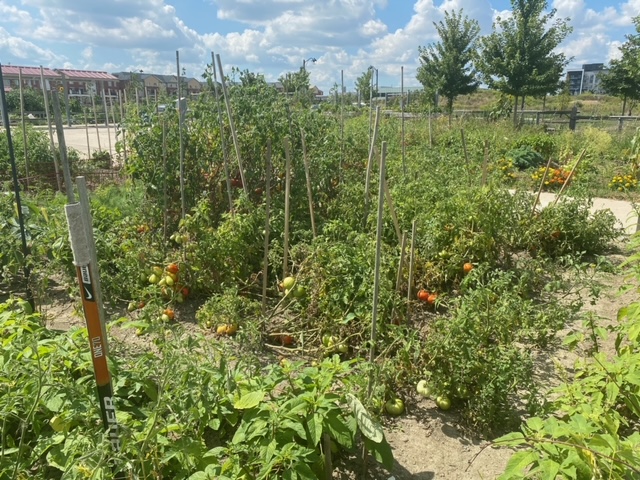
272,36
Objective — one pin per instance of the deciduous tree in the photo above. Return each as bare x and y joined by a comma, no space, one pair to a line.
519,57
623,78
446,65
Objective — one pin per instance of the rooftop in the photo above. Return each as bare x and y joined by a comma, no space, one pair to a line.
29,71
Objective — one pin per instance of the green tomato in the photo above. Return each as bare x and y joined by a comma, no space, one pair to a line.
328,341
288,283
424,389
299,291
394,407
343,348
132,306
443,402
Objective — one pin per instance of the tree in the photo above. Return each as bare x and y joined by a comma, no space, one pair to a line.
364,85
518,58
623,78
445,66
297,85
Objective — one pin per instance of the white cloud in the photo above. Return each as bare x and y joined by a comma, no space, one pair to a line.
23,49
373,28
275,35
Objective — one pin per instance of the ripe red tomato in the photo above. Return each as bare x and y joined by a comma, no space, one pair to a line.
431,299
169,313
423,295
467,267
173,268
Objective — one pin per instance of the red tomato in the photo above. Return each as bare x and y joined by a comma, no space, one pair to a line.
423,295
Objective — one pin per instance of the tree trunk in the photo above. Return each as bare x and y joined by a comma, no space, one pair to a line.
450,108
522,103
624,104
515,111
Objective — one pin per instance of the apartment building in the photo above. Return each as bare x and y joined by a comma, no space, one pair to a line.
587,80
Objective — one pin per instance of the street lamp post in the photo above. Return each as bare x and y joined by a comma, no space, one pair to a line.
304,62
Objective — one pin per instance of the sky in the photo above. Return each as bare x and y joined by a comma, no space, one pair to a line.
273,37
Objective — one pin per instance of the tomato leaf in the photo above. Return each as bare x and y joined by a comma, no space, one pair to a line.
517,465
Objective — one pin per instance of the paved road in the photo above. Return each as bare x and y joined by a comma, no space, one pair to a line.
89,139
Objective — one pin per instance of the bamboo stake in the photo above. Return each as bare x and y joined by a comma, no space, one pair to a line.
165,225
124,131
466,155
376,275
544,177
569,177
412,267
308,176
95,119
267,231
287,192
234,134
86,131
106,122
24,131
51,142
225,150
485,162
374,138
183,201
341,126
430,135
403,248
404,163
62,146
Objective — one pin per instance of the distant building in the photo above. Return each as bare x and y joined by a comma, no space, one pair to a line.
30,76
587,80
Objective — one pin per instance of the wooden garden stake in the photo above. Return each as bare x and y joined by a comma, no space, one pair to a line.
412,267
124,132
223,140
404,163
485,162
570,176
287,193
267,206
466,155
308,175
367,185
51,143
24,131
95,120
430,135
234,134
341,125
403,248
164,184
62,147
183,200
392,211
376,277
86,131
106,121
544,177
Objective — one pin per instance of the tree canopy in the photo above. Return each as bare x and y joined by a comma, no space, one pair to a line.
364,85
623,78
519,58
445,66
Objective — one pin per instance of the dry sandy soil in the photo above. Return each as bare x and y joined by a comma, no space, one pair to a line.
427,443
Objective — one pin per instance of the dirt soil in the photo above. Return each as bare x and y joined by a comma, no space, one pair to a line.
427,442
